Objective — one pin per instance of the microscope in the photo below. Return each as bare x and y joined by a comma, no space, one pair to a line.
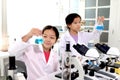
110,56
89,64
71,66
14,72
94,68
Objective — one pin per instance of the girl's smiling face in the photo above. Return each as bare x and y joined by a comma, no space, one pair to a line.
49,39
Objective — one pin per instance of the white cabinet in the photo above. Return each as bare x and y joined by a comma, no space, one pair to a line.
114,28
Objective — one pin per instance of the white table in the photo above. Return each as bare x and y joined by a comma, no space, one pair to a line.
3,55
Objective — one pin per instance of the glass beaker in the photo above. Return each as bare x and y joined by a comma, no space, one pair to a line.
39,40
99,25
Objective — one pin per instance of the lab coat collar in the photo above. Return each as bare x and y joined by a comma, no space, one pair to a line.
69,37
52,52
40,49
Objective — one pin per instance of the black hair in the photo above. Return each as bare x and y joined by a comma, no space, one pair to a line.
53,28
70,18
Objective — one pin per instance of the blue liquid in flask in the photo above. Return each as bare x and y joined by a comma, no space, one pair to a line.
39,40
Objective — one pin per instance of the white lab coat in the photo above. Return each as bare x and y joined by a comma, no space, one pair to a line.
34,59
83,38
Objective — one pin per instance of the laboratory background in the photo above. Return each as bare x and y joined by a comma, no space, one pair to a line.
17,17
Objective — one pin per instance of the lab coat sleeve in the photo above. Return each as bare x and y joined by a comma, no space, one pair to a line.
92,35
18,48
96,33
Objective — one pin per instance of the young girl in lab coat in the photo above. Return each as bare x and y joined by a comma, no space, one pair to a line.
40,60
74,35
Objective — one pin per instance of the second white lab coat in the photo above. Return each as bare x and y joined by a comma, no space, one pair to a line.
83,38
